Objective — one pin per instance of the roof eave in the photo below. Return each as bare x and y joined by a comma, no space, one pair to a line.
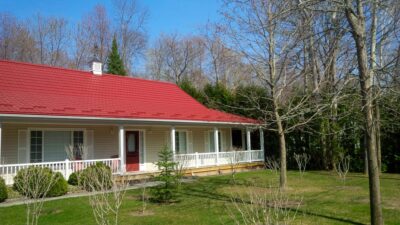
122,121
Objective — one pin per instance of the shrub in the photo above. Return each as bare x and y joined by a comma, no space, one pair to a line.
73,179
60,187
37,182
3,190
96,177
166,192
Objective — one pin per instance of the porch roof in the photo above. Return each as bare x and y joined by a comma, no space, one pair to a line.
39,90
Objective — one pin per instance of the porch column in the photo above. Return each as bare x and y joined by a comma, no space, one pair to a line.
262,139
1,161
248,138
216,144
262,143
173,144
121,141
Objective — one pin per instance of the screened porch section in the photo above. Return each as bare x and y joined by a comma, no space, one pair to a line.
240,149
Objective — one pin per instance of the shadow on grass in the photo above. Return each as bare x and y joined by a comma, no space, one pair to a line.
209,192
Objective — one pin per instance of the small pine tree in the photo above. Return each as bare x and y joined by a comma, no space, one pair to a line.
166,192
115,65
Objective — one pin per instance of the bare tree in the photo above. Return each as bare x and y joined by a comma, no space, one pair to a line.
98,28
302,160
16,41
233,163
269,36
269,206
34,185
272,164
343,166
82,49
51,35
130,30
173,58
354,11
107,198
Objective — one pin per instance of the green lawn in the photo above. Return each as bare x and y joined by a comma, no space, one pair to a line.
324,201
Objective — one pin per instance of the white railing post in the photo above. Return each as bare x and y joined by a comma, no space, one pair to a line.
262,143
0,145
121,142
196,159
216,145
248,137
67,169
173,144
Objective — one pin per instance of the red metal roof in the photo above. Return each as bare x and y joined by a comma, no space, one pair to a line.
32,89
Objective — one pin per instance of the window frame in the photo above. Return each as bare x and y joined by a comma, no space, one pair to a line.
187,140
71,130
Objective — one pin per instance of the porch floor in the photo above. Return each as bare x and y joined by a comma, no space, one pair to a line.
138,176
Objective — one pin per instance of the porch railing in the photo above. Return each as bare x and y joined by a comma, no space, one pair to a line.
221,158
8,171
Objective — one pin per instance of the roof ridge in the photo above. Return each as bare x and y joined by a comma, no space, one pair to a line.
85,72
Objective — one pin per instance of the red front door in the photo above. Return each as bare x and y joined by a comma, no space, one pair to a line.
132,150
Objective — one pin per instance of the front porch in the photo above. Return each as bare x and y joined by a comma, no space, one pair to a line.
125,148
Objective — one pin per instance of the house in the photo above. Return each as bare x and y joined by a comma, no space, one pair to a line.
122,121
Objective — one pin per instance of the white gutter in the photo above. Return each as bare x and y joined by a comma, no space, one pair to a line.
120,120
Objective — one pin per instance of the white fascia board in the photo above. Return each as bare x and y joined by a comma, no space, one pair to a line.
122,120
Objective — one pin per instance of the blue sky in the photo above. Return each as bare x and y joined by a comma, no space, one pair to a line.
165,16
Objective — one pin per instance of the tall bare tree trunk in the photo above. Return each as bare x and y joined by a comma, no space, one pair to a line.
281,132
373,62
378,135
357,23
282,151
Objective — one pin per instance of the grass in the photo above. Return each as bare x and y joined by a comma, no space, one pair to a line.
324,201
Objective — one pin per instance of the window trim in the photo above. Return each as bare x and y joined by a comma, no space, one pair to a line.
30,129
209,140
187,140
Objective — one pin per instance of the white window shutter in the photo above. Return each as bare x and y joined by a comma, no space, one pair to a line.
23,146
223,142
90,143
207,141
190,141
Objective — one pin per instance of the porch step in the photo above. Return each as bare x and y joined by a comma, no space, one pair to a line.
224,169
137,177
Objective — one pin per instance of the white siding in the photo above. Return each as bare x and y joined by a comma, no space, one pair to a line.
105,140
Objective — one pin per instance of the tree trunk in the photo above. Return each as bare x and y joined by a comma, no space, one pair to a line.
357,23
373,60
282,152
378,135
365,154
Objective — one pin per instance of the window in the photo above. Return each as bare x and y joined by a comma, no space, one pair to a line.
78,143
54,144
36,146
211,142
132,142
181,142
49,145
237,139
